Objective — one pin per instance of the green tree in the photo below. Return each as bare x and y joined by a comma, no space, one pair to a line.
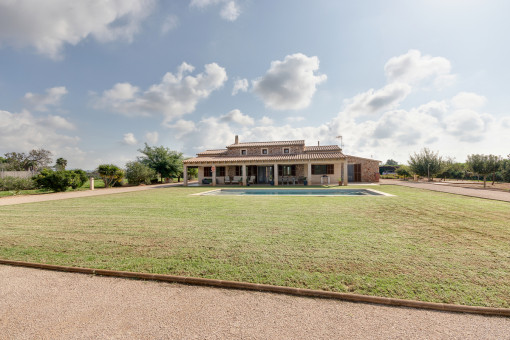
53,180
165,162
78,178
426,163
110,174
60,164
36,159
391,162
504,169
483,165
137,172
404,171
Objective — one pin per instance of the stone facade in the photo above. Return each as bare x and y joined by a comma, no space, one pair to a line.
257,150
369,168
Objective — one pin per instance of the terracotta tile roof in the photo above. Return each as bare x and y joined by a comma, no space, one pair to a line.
322,148
269,158
212,152
276,143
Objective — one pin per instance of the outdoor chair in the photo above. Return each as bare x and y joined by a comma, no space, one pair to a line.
227,180
237,179
251,180
284,180
293,180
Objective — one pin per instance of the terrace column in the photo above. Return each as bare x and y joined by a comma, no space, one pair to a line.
275,174
244,174
309,174
213,170
185,175
346,175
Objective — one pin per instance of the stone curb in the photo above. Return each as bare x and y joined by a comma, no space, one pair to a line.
271,289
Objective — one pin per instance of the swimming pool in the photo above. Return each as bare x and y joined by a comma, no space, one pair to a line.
293,192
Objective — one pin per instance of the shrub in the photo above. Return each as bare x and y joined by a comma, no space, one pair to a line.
60,180
110,174
137,172
53,180
16,184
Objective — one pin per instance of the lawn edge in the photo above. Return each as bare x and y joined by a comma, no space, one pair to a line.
443,307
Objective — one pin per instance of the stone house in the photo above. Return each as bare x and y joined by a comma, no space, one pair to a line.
281,162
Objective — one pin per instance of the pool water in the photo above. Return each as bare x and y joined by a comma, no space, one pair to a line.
294,192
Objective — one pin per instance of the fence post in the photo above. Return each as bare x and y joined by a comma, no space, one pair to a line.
91,183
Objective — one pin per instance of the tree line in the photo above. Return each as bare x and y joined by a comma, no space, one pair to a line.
430,164
155,164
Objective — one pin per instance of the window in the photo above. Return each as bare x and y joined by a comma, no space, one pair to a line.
286,150
287,170
207,171
239,170
323,169
264,151
220,171
243,152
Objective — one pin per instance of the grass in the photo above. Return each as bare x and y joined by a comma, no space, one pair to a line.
423,245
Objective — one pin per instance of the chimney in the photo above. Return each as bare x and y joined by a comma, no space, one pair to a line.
318,143
237,140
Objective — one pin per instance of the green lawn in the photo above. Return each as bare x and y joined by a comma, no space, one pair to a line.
419,244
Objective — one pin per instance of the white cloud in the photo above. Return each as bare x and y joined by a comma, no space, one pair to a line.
182,127
152,137
230,10
40,102
176,95
49,25
289,84
238,117
412,68
375,101
295,119
24,131
240,85
266,121
129,139
171,22
468,100
467,125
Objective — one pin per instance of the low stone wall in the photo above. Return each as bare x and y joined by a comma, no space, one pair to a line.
17,174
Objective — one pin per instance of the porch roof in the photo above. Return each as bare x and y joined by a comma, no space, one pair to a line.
304,157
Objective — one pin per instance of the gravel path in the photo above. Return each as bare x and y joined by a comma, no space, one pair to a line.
39,304
489,194
10,200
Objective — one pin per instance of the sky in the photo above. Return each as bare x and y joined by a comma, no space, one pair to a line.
92,81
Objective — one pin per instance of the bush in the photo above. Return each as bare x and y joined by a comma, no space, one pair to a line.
16,184
60,180
110,174
137,172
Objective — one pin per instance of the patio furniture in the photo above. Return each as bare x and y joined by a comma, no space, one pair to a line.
324,178
251,180
285,180
237,180
293,180
227,180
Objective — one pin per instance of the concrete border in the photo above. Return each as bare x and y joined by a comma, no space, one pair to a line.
271,289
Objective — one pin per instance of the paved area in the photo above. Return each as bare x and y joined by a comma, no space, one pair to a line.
10,200
39,304
489,194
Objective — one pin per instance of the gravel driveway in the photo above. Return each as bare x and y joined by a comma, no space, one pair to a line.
39,304
442,187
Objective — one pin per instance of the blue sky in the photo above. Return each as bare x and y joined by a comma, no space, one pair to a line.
92,81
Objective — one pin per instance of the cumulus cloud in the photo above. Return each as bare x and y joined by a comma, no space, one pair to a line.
240,85
171,22
289,84
413,67
152,137
230,10
48,26
295,119
24,131
182,127
467,125
468,100
176,95
375,101
129,139
265,121
236,116
40,102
